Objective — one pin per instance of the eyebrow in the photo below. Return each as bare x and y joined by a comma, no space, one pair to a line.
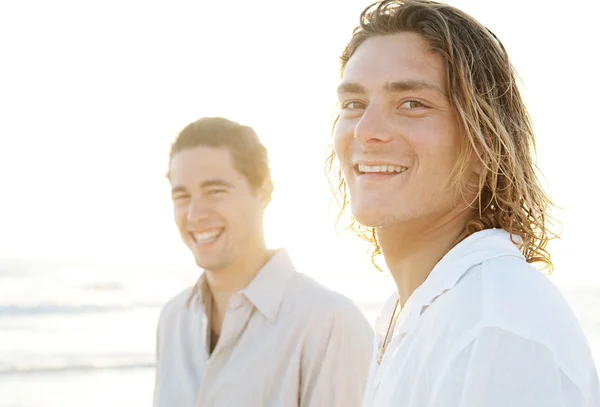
206,184
392,87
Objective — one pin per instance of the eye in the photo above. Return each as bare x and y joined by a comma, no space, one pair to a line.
353,105
216,192
180,198
412,104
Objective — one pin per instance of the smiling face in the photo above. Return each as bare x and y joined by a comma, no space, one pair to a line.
397,138
218,213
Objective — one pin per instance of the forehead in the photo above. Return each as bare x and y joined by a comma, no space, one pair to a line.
396,57
197,164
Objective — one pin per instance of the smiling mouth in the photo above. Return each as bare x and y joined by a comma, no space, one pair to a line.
207,236
380,169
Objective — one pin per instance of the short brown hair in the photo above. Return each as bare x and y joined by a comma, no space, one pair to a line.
484,94
249,155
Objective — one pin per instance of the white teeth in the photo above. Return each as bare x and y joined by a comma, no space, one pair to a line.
381,168
207,237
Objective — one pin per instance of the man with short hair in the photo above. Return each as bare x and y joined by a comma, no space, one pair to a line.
434,146
252,331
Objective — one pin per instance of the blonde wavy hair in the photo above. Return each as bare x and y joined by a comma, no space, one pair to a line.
483,91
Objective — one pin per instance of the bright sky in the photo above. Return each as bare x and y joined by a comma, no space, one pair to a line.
92,93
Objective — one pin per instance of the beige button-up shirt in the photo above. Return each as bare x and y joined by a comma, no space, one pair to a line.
285,341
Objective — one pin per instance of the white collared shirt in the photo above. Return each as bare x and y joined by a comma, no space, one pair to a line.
486,329
286,341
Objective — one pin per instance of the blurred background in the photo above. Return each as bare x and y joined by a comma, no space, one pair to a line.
92,94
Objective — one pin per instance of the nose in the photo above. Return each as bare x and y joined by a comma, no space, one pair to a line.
373,126
197,211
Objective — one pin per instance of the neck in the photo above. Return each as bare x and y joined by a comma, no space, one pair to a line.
411,250
223,283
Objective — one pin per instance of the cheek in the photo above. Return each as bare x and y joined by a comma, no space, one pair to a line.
180,216
435,146
233,210
342,136
243,218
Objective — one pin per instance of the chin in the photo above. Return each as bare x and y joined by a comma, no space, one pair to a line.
208,264
372,210
376,217
368,218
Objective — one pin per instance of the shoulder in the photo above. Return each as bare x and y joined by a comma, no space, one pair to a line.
511,294
515,301
324,311
329,324
313,297
175,308
518,297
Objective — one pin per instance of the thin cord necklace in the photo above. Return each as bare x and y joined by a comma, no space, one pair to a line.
387,335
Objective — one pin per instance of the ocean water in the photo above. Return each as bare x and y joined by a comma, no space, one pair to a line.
80,335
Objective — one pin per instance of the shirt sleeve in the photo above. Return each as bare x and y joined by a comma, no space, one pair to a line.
594,396
336,359
500,369
155,393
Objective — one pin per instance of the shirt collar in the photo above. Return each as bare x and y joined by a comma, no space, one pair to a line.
474,249
267,290
200,290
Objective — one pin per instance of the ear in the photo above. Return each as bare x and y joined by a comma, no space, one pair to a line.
477,165
264,192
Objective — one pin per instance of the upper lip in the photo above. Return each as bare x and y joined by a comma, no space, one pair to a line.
378,162
204,230
398,168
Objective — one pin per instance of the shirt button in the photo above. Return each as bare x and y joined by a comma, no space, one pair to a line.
236,301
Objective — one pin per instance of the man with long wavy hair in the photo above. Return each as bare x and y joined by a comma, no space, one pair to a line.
432,151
